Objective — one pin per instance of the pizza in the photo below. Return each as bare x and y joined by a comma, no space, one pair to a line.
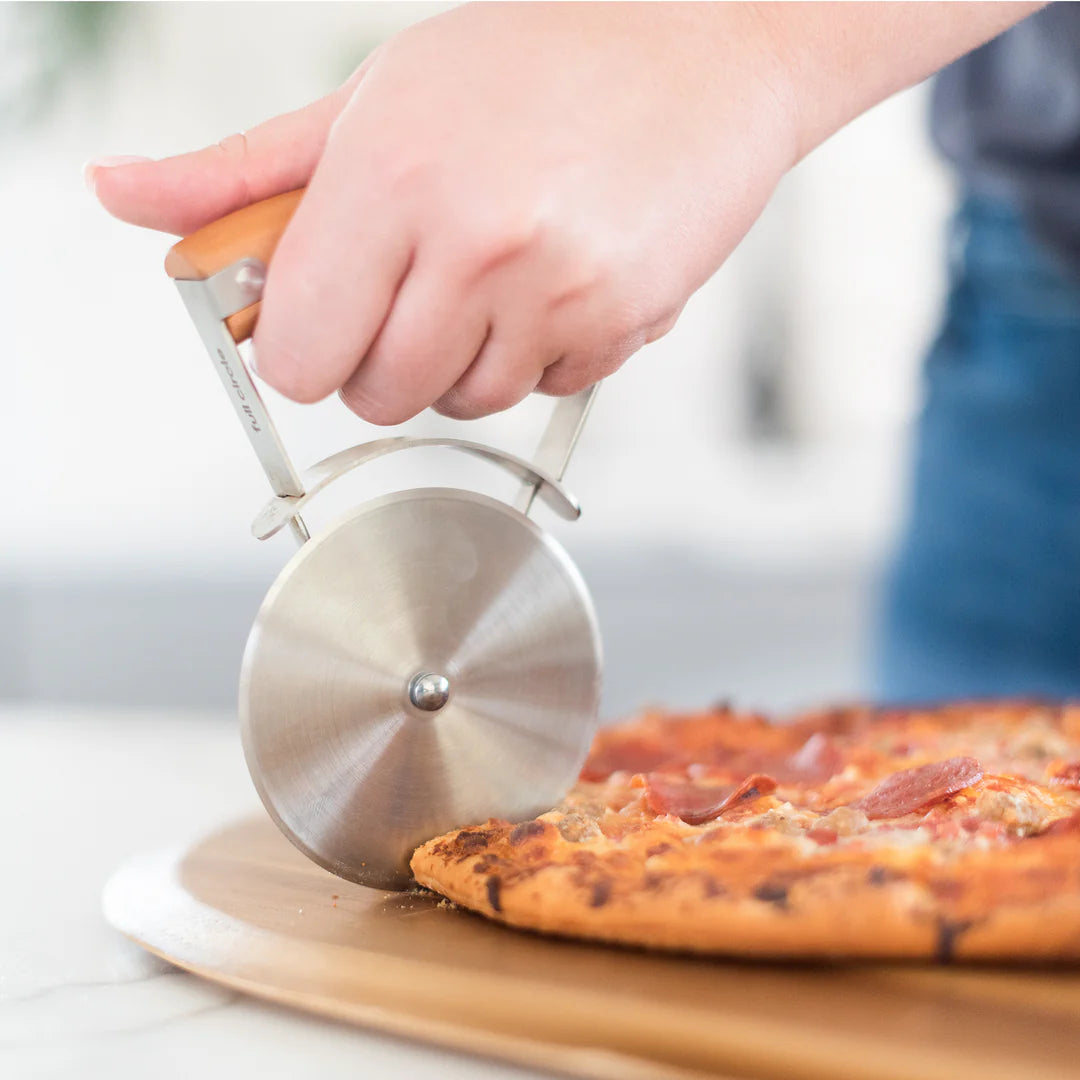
947,833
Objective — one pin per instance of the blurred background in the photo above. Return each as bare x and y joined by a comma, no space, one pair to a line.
742,478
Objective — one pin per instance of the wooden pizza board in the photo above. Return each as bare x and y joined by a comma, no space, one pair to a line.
246,909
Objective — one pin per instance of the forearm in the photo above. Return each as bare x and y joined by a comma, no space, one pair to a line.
836,60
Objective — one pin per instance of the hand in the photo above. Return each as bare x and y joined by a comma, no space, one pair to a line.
508,198
501,199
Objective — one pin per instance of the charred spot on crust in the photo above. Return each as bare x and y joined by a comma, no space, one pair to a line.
946,888
948,932
712,888
882,875
583,860
494,892
486,863
772,892
601,893
526,829
468,842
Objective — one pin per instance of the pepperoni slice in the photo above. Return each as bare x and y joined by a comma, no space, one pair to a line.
817,760
1065,774
698,803
910,790
625,755
1070,824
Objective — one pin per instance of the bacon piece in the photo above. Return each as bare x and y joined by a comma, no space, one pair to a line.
698,803
911,789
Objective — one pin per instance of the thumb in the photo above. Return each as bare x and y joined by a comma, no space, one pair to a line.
180,194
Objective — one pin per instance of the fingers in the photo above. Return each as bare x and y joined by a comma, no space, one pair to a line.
337,273
180,194
324,304
504,373
428,341
588,361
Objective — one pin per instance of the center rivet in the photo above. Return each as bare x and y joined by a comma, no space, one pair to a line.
429,692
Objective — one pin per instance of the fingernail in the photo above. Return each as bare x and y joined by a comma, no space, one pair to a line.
109,162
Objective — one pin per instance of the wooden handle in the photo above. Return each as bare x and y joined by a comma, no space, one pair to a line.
252,233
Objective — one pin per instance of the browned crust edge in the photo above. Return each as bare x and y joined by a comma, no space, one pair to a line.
836,918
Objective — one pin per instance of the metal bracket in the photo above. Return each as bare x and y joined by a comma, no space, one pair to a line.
209,303
236,287
212,300
278,511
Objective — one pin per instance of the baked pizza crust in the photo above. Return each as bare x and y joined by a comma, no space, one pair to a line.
588,871
850,911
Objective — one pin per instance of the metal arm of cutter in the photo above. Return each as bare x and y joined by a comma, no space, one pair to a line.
220,272
210,302
558,442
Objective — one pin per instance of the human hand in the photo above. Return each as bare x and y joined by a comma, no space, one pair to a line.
518,197
502,199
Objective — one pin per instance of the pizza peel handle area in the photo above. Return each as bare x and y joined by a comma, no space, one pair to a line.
428,661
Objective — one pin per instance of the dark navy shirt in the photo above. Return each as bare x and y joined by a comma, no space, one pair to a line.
1008,117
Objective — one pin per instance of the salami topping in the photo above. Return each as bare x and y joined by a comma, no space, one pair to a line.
1065,774
818,759
910,790
1070,824
625,755
698,803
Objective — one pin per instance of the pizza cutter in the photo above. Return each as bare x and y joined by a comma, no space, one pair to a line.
429,660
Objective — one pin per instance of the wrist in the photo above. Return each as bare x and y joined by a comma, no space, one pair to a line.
835,61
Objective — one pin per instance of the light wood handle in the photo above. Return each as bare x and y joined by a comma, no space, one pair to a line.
251,233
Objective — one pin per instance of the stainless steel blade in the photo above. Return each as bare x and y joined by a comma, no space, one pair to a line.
430,661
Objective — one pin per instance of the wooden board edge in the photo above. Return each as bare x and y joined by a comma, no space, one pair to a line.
126,889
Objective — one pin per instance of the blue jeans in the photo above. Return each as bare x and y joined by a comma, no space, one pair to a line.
984,594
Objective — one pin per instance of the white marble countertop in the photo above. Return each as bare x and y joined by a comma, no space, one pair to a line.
79,793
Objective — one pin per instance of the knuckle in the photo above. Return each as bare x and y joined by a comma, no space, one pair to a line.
489,246
493,399
613,333
400,169
588,277
571,375
663,322
561,381
234,146
235,150
624,325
